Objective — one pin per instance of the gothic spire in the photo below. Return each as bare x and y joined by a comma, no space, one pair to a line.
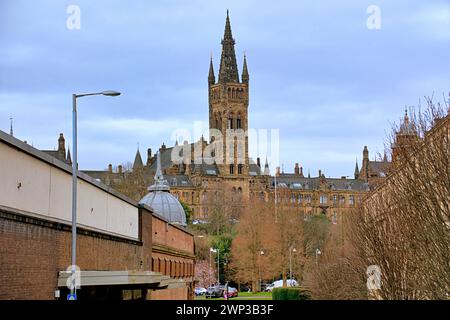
138,161
228,67
356,169
211,76
159,184
245,76
266,168
69,158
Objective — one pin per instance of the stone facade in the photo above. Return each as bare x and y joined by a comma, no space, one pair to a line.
198,183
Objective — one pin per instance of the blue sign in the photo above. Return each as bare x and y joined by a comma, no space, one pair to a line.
72,296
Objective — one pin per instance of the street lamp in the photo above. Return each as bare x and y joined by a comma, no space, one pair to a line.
291,249
215,251
75,174
317,255
261,253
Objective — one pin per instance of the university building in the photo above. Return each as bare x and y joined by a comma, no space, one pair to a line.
200,184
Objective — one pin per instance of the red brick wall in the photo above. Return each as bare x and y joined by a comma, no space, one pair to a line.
171,236
31,255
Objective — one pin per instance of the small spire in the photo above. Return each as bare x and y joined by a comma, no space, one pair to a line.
309,174
159,184
211,76
11,132
69,158
356,173
406,119
245,75
138,160
385,156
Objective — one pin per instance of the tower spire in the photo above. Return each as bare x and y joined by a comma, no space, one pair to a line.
211,76
228,67
245,76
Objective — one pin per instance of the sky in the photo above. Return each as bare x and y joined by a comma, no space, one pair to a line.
320,72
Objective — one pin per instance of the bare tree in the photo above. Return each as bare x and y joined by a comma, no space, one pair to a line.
403,225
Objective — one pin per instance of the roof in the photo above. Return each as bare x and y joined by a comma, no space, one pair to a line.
380,168
160,199
293,181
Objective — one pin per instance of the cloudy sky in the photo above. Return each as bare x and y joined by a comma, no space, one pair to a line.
317,73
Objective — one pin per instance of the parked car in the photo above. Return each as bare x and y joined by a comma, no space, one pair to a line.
232,292
279,284
214,291
199,291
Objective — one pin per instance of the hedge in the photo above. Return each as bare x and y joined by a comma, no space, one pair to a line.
290,293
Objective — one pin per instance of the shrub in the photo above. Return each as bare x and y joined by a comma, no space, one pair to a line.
290,293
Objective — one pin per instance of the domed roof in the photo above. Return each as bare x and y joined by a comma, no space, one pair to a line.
161,201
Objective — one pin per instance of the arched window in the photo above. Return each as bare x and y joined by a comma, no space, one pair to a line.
230,121
238,122
240,166
231,168
229,92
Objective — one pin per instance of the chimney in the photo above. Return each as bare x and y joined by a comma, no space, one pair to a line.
120,168
110,168
149,157
258,162
61,147
296,169
320,173
277,171
301,171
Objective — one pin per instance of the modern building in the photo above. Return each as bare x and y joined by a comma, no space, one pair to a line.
125,250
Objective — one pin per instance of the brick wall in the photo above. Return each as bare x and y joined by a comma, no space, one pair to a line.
33,251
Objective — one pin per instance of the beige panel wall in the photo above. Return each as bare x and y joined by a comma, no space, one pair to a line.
47,191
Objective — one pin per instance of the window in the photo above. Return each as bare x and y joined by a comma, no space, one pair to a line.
238,122
308,198
334,217
231,168
293,198
323,199
334,199
341,200
300,198
351,200
240,166
230,122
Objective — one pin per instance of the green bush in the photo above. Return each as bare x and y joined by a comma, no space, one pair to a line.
290,293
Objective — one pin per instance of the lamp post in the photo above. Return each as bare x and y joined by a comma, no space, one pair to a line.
291,249
259,267
218,267
215,251
317,255
74,176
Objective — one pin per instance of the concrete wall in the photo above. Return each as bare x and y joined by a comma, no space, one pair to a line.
35,186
